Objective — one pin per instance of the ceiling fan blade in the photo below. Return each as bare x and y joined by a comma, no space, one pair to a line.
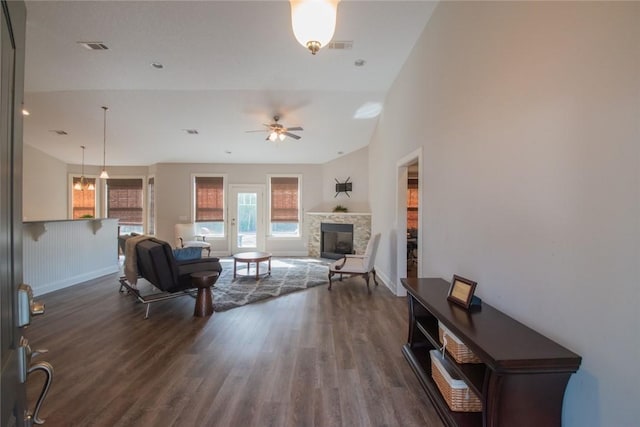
261,130
295,128
292,135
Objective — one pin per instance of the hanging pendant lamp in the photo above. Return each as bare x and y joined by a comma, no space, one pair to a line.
314,22
83,184
104,174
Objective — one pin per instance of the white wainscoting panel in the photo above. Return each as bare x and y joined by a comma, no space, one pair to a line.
58,254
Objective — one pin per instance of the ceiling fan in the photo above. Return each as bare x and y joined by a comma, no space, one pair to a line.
278,131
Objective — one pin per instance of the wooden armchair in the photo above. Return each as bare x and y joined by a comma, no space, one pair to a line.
360,265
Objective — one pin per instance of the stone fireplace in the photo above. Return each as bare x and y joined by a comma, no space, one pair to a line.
361,223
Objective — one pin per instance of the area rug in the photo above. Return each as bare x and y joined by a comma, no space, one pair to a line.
287,275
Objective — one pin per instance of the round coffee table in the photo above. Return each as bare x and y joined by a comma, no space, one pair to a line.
203,280
250,257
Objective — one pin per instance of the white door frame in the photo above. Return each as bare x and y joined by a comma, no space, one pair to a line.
234,189
402,175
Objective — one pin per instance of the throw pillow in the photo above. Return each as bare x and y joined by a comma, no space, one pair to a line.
187,254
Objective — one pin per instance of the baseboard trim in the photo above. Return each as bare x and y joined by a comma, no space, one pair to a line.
74,280
386,281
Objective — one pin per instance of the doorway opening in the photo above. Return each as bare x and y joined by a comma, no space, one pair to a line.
409,231
413,212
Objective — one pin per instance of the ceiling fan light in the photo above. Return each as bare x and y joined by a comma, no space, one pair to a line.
273,136
313,22
282,136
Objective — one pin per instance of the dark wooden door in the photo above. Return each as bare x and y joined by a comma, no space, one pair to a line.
12,27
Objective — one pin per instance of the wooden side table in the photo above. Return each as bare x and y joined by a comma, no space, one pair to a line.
203,280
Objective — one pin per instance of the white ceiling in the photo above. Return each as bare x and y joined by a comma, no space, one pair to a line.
229,67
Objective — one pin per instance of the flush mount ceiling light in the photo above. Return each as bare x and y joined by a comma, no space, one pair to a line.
83,184
104,174
313,22
368,110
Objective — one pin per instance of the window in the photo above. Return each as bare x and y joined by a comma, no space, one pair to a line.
285,212
412,203
209,205
125,201
84,199
151,206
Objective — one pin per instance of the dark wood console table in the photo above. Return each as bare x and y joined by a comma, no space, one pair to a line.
522,377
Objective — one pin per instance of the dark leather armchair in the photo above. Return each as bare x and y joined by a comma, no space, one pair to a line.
157,264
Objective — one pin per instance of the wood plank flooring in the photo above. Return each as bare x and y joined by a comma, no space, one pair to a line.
311,358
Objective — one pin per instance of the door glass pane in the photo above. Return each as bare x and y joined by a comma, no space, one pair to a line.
247,216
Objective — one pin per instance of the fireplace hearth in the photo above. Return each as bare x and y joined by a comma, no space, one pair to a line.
336,240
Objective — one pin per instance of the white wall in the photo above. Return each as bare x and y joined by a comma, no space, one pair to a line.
173,189
354,166
173,196
44,186
528,115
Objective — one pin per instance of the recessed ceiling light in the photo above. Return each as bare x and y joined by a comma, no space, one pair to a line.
25,112
368,110
359,62
59,132
157,65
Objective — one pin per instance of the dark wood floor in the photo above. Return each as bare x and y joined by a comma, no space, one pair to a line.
311,358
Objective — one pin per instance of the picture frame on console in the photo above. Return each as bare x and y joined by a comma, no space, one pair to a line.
461,291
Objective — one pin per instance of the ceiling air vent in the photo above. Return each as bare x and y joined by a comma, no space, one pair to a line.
191,131
59,132
94,45
341,45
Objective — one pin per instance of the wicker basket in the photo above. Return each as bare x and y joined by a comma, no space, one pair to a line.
455,347
455,391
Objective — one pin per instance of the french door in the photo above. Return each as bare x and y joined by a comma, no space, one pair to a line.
246,218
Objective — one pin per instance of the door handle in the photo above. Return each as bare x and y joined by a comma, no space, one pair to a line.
48,371
25,368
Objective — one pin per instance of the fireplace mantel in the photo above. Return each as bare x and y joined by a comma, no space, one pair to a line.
361,228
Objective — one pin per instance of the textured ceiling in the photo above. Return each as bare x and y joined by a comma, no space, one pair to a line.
229,67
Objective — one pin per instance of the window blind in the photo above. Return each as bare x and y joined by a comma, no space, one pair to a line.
124,200
209,198
284,199
412,203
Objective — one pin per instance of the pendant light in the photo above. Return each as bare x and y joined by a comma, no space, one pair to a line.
82,184
104,174
313,22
